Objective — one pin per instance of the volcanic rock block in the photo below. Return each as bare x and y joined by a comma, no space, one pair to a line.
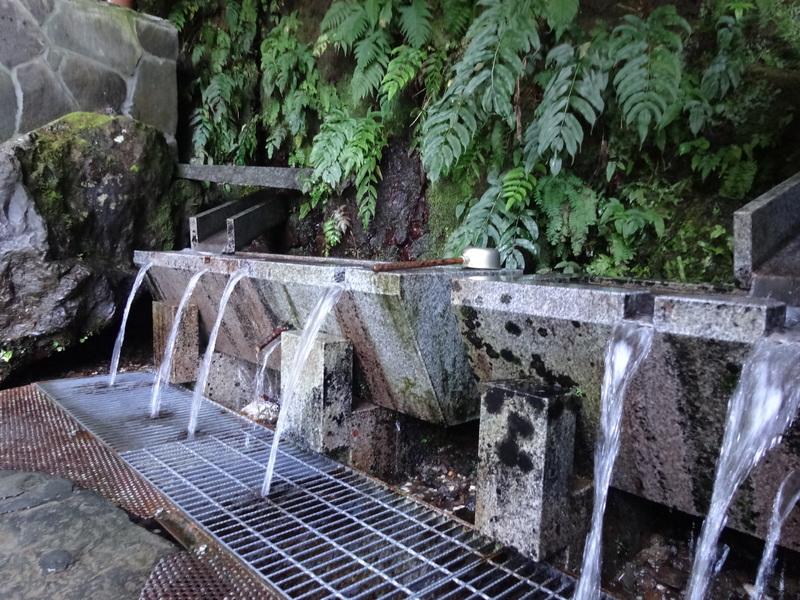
525,460
75,197
319,414
186,353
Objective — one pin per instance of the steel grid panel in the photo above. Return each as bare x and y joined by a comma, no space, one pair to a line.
326,531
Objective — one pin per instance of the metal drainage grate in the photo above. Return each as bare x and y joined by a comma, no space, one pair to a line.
326,531
123,421
36,435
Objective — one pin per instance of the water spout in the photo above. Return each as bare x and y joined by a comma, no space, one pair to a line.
166,363
629,345
112,372
202,377
762,407
315,320
787,496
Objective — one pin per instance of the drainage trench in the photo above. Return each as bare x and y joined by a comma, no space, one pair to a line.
326,531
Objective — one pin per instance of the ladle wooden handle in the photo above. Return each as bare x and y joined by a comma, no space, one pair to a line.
416,264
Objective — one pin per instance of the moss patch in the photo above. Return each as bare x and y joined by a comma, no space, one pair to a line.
443,198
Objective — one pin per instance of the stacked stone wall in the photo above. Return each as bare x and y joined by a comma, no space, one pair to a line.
61,56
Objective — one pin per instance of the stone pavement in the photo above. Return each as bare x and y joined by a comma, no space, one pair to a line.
61,542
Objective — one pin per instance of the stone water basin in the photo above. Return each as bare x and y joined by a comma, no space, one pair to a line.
408,353
555,329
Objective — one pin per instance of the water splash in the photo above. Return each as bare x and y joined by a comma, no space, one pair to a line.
762,407
137,283
315,320
787,496
166,363
202,377
629,345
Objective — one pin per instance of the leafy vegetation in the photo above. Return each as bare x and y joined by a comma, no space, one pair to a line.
579,141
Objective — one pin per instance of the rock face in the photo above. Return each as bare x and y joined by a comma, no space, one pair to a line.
57,542
76,198
59,56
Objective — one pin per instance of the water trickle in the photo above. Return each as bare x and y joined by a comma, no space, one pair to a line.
112,372
762,407
202,377
787,496
315,320
262,372
629,344
166,363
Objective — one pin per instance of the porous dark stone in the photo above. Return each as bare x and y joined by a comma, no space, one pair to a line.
155,93
43,96
20,36
8,100
93,86
76,198
157,39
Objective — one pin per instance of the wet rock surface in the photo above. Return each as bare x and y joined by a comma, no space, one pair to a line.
57,541
76,198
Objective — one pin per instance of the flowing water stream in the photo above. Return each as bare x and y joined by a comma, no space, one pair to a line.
261,376
315,320
137,283
630,342
202,377
166,363
787,496
763,405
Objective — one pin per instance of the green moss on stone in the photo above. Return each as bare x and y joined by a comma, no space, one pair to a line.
443,199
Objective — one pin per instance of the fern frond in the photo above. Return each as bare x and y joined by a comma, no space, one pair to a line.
350,147
560,13
490,221
483,84
458,15
724,73
650,54
570,208
402,69
372,58
575,90
415,23
344,23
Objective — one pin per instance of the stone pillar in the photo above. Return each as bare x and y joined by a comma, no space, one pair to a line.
525,464
187,346
375,441
320,416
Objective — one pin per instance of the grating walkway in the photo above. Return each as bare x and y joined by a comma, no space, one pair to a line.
326,531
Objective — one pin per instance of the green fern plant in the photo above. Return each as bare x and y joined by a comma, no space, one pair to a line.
483,84
292,91
570,209
649,60
501,218
334,228
574,93
348,148
363,28
403,68
724,73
